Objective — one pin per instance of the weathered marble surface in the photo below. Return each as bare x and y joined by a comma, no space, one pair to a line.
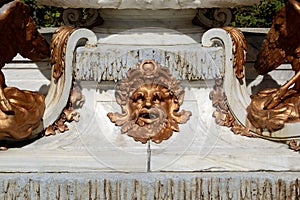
146,4
96,144
111,62
224,185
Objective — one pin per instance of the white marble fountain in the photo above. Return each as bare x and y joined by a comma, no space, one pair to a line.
168,32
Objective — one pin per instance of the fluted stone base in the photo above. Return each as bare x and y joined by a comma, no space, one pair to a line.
233,185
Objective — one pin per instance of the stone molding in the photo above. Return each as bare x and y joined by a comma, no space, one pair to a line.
146,4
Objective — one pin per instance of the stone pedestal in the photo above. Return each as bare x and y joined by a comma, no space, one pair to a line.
100,162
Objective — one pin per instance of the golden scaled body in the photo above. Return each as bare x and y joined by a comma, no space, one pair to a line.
272,108
20,111
26,114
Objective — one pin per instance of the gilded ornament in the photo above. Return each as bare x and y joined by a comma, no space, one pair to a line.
239,50
273,107
21,111
150,100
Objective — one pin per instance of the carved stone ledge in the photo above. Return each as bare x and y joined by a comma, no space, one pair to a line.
146,4
143,186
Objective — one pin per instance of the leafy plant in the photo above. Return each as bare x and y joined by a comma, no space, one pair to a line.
45,16
259,15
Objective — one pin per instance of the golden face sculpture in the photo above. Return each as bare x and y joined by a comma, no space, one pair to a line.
150,100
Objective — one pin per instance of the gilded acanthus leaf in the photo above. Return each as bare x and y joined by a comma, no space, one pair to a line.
58,49
222,114
239,50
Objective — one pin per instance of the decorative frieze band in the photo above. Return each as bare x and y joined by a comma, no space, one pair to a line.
107,62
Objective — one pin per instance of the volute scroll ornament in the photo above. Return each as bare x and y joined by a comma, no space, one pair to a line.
64,94
150,100
213,17
75,17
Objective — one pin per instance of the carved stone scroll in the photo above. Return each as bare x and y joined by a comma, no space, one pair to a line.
150,100
214,17
235,89
76,18
64,94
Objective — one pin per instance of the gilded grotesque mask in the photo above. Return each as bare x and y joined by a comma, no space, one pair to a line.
150,100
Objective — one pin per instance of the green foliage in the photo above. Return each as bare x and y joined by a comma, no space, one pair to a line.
44,16
258,16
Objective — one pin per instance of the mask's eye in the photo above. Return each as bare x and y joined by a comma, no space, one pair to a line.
157,98
138,97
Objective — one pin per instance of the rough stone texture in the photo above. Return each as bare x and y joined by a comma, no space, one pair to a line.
253,185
